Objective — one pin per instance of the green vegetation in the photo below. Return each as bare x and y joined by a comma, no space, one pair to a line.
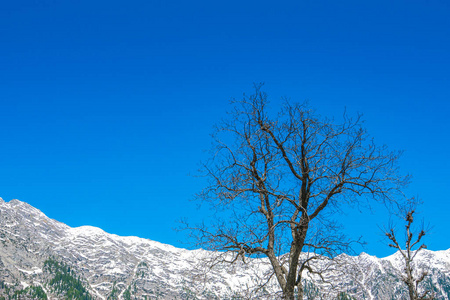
114,293
344,296
64,282
127,294
310,290
14,293
34,292
445,285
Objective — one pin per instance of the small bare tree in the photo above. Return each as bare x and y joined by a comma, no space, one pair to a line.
276,182
411,279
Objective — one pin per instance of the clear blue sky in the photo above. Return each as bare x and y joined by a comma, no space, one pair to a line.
106,106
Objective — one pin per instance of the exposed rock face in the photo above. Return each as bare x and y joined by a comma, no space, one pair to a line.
41,257
106,263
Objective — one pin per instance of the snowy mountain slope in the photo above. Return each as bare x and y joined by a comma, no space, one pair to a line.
28,238
40,256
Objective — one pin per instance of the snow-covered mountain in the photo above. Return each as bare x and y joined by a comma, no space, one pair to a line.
41,258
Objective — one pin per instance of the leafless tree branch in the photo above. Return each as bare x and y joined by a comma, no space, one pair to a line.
273,178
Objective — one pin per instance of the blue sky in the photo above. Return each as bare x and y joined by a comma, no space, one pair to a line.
106,106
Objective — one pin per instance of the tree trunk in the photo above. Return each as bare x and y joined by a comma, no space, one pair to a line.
289,293
409,279
300,290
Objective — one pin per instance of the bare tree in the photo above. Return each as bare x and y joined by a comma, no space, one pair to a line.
410,278
275,184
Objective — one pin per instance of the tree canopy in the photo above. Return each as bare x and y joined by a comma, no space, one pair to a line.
275,181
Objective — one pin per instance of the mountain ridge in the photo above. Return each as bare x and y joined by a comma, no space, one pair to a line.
110,266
